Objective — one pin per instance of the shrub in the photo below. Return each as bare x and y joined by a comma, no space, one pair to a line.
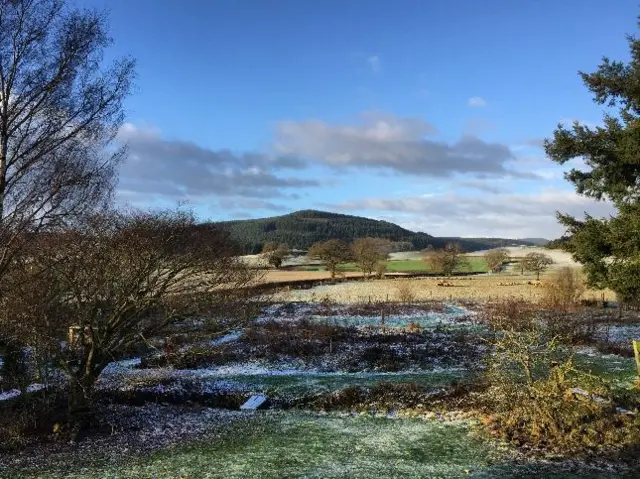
383,396
28,417
405,291
538,399
564,289
381,269
511,315
304,339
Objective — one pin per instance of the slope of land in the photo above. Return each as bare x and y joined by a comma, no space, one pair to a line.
303,228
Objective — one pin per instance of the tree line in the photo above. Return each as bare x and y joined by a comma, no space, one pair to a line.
371,255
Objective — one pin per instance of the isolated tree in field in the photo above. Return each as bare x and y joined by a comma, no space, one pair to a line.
117,280
609,248
276,253
536,263
495,258
369,252
446,260
59,112
332,253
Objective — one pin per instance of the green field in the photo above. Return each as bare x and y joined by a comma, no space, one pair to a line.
475,264
297,445
308,445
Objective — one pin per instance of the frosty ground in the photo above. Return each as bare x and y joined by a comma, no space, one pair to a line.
354,391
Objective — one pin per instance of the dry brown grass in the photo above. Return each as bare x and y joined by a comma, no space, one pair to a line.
286,276
405,290
476,288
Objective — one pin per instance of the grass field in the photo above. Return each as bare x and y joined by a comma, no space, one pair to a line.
475,288
298,445
475,264
307,445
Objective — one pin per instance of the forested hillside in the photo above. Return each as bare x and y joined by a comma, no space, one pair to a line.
301,229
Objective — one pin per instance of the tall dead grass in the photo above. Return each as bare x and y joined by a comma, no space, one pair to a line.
563,289
406,291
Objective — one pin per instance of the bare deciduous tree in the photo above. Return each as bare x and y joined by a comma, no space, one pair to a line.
276,253
332,253
536,263
446,260
368,252
495,258
59,113
119,279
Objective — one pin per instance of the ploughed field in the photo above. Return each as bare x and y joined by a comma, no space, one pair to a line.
353,390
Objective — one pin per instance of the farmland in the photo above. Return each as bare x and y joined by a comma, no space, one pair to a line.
474,264
474,288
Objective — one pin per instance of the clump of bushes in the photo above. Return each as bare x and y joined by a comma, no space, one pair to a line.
192,358
383,397
31,417
511,315
521,315
537,399
305,338
381,269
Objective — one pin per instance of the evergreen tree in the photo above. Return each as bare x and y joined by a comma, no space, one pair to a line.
609,248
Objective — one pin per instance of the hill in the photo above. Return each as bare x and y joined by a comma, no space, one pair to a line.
303,228
536,241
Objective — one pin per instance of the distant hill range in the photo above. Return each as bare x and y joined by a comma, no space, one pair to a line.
536,241
303,228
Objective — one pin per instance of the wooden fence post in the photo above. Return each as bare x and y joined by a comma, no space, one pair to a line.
636,351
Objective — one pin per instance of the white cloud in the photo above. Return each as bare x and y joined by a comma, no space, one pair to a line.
477,102
162,169
374,63
515,215
387,142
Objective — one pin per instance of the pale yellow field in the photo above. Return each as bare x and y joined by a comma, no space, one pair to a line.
479,288
274,276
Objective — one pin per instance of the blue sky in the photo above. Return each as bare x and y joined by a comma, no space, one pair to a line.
426,113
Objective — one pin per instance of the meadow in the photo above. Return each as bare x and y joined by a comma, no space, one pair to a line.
474,264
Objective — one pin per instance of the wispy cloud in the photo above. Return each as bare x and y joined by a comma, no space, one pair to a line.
510,215
169,170
374,63
477,102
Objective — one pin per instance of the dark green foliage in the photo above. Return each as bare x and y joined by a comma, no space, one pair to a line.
559,243
303,228
609,248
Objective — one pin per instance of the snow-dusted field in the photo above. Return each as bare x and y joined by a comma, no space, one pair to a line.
189,439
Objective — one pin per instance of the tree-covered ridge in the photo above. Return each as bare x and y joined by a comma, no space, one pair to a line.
302,229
